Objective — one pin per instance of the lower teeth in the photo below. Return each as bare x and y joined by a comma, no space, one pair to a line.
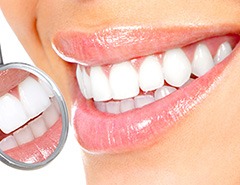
117,107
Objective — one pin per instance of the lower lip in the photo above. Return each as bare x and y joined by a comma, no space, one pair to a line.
40,149
99,132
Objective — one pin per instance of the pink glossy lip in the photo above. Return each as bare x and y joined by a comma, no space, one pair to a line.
119,44
102,132
39,149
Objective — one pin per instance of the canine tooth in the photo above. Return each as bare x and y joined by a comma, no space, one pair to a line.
123,80
100,106
223,51
176,67
12,113
50,115
8,143
33,97
113,107
38,127
84,82
150,74
143,100
163,91
202,61
23,135
127,105
101,90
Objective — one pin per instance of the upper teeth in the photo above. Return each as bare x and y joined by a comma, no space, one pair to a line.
125,79
34,98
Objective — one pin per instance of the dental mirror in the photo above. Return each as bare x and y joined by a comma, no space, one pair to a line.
33,116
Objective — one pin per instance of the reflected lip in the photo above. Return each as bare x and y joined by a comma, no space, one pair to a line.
99,132
40,148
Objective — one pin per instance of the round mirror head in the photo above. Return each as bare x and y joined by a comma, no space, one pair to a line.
33,117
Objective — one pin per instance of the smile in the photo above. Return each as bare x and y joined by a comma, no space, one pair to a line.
29,115
124,105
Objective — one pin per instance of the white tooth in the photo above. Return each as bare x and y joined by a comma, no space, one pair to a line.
38,127
79,76
176,67
202,61
150,74
47,88
143,100
12,113
50,115
123,80
127,105
224,50
113,107
87,84
100,85
23,135
84,82
33,97
56,104
163,91
8,143
100,106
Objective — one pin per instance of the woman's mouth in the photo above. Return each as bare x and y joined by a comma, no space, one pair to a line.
127,104
30,125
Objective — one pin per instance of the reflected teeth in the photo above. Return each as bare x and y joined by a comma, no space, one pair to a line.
161,74
34,100
33,97
32,130
12,113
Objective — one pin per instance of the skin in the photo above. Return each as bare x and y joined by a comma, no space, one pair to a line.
201,149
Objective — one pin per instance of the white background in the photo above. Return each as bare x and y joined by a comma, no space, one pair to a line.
67,168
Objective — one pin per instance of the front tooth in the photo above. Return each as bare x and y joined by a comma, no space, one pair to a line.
113,107
123,80
127,105
51,115
224,50
100,85
150,74
38,127
143,100
202,61
176,67
12,113
84,82
23,135
8,143
101,106
163,91
33,97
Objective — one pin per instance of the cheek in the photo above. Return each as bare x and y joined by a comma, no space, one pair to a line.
23,17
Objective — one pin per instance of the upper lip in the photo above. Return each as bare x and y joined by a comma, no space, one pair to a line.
117,44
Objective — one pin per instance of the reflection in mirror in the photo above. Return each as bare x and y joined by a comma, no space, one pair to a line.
30,116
